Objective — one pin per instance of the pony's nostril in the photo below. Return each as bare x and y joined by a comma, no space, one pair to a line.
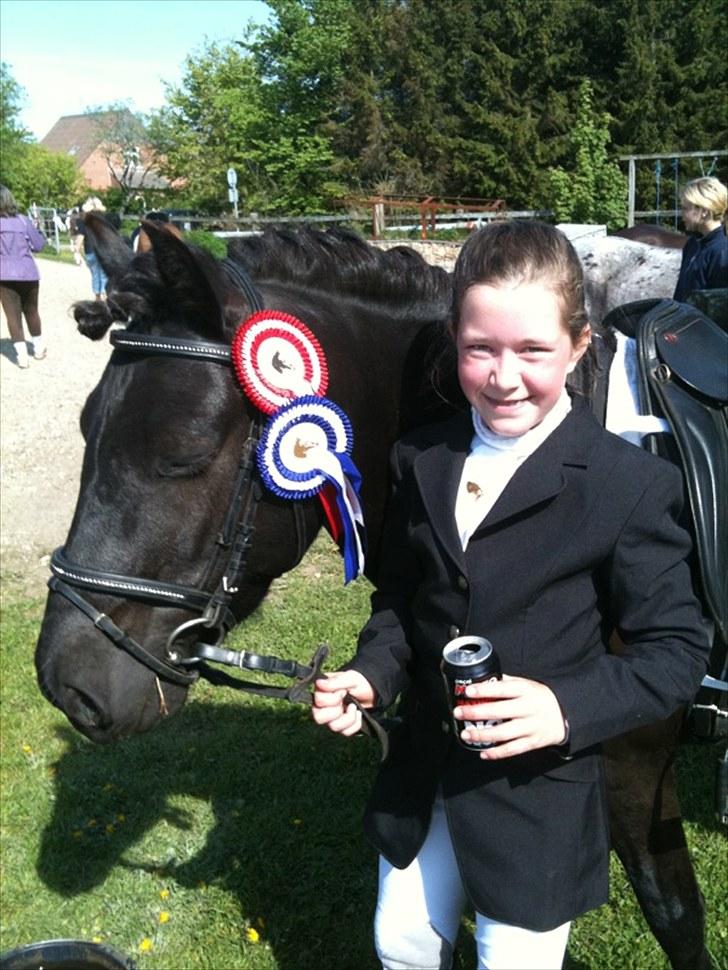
83,709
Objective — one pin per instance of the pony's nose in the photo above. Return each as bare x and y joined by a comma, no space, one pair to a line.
83,711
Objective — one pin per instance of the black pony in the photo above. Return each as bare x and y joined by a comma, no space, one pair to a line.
166,482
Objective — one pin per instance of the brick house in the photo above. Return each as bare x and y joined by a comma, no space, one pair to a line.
82,137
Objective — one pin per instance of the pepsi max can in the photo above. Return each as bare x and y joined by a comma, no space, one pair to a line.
465,661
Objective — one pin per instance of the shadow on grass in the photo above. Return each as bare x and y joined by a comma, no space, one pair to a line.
287,800
286,840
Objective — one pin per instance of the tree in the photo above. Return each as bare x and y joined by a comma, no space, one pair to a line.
32,173
131,161
44,177
212,121
11,99
594,189
463,98
13,136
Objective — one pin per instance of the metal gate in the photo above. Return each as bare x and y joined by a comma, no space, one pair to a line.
50,224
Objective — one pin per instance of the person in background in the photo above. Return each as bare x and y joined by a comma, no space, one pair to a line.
75,231
99,279
704,263
19,277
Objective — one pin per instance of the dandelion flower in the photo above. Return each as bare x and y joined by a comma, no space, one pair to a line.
164,916
164,893
27,749
146,945
252,934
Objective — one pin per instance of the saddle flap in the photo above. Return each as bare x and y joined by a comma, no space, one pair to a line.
687,392
692,345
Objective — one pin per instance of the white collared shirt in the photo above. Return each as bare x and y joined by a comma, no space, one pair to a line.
492,462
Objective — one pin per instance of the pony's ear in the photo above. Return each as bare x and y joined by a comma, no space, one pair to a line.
189,274
114,252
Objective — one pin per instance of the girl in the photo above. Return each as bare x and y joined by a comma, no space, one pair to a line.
524,522
19,277
704,263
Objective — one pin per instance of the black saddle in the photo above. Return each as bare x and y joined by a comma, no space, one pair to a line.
683,371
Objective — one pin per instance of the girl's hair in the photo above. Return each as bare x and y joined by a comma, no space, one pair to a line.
8,205
523,251
708,193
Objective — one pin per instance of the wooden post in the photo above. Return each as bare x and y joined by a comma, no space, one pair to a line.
378,220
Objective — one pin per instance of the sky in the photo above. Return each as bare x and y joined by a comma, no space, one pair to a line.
70,55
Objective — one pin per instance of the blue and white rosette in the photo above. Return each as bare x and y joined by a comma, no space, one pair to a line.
305,445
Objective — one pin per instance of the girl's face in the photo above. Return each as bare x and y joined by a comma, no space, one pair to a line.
514,354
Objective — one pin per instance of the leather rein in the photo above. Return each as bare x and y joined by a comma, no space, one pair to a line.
215,618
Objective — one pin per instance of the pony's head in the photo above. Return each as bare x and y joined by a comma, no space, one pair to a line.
165,436
168,478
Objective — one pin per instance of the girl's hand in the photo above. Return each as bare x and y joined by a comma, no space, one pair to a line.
330,706
530,715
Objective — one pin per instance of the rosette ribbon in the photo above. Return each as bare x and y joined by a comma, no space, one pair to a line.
305,450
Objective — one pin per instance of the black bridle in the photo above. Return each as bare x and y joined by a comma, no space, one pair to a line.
215,618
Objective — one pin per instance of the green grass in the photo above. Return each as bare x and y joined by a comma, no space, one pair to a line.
64,256
239,815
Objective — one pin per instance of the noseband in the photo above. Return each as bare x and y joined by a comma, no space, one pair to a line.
216,618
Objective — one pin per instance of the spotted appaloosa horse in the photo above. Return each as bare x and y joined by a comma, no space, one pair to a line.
618,271
165,431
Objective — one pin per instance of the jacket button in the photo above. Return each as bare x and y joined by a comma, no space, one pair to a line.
453,632
462,582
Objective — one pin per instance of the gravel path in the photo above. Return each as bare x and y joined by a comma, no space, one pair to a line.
40,443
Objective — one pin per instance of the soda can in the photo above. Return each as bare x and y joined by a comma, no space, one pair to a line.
465,661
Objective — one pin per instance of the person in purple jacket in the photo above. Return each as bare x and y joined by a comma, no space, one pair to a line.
19,277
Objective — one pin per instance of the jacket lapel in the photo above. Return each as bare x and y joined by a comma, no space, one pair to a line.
541,477
438,471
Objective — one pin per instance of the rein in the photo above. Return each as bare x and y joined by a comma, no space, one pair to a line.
216,617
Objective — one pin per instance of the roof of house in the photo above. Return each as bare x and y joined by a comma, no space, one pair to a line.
76,135
80,135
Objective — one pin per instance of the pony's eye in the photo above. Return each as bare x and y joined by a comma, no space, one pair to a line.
184,466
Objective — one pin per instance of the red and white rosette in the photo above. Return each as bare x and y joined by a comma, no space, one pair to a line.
305,447
277,358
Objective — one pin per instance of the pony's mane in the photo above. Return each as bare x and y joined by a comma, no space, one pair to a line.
335,261
340,261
